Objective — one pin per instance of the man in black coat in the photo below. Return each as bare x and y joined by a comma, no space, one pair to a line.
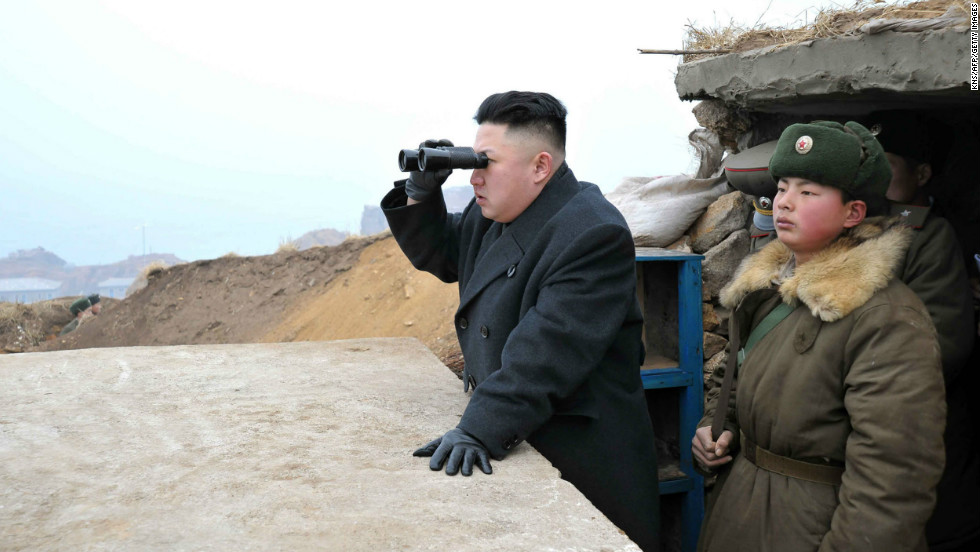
548,320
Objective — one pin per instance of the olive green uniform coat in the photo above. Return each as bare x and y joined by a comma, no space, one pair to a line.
851,377
934,270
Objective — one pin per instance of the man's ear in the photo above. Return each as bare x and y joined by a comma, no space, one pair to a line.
543,162
923,173
856,211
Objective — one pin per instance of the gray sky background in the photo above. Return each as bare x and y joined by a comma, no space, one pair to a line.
234,126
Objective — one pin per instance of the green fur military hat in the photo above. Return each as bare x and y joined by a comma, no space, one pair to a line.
79,305
845,156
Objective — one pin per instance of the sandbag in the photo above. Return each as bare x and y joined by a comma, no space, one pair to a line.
660,210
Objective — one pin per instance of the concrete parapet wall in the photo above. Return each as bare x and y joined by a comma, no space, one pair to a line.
298,446
928,62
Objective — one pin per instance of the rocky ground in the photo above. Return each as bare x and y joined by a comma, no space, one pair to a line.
363,287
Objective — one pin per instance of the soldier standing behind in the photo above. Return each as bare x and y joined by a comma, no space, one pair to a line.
935,271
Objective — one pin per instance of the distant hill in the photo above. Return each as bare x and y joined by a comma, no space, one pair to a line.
31,263
373,219
457,197
324,236
75,280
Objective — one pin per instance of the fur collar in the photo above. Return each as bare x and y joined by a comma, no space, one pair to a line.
837,280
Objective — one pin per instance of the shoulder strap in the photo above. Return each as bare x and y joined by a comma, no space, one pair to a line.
774,317
721,407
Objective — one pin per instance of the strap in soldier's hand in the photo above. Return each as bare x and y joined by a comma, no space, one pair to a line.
721,407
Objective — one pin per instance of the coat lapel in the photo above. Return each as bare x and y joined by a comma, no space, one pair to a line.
491,263
495,259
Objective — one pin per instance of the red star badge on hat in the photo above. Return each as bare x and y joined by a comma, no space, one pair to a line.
804,145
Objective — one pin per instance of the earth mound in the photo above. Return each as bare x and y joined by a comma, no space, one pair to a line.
23,327
363,287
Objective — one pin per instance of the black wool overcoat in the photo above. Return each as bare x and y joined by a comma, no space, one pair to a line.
550,328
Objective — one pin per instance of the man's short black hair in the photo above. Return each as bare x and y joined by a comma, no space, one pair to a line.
538,112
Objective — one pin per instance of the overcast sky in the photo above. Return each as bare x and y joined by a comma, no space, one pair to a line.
220,126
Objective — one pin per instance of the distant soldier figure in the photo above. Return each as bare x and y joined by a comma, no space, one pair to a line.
77,309
96,303
91,304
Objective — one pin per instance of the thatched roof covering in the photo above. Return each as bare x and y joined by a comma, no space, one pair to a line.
863,17
882,56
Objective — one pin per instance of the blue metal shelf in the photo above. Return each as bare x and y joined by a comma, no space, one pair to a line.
674,486
664,378
685,374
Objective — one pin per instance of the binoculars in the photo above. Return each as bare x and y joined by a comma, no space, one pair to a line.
441,158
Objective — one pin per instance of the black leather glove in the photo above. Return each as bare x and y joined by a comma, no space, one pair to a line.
421,185
462,450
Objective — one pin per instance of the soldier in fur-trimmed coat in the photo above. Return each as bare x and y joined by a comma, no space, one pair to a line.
849,383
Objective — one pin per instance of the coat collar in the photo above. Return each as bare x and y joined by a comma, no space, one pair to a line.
508,250
837,280
556,193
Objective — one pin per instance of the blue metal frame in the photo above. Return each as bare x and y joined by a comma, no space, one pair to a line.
687,377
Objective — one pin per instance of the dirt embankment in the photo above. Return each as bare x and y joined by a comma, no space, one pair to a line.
382,295
24,327
364,287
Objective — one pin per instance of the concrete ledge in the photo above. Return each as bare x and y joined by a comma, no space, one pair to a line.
298,446
931,63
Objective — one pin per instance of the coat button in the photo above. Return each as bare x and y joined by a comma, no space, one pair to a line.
463,323
484,331
511,271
